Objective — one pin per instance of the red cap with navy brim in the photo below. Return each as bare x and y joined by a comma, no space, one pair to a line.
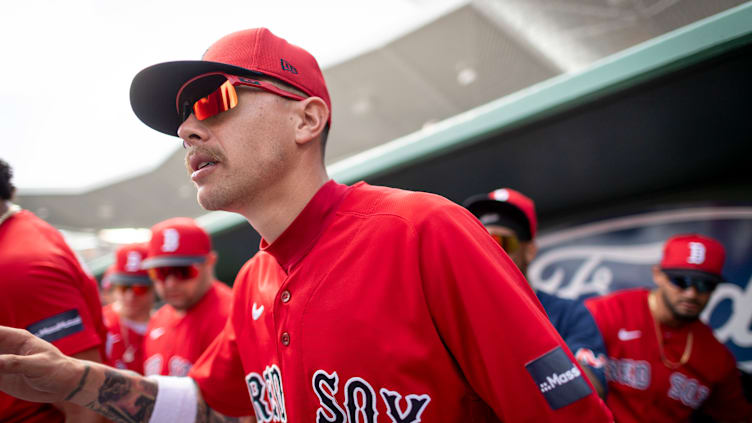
506,201
179,241
694,255
251,52
127,269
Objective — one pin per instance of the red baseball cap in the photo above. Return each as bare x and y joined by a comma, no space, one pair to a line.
505,207
177,242
693,255
127,269
252,52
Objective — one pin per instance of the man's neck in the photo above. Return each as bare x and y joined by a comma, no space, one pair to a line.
282,204
3,207
661,312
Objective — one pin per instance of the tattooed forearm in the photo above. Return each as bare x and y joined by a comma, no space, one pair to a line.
205,414
80,384
125,399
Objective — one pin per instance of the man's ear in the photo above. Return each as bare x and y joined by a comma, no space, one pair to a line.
313,115
657,275
531,250
211,258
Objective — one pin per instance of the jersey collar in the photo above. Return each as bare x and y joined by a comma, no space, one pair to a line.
305,230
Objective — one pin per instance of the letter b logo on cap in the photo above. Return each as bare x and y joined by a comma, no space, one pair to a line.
171,240
696,253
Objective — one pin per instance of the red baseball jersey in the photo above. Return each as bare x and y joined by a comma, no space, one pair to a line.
125,341
382,305
46,291
641,388
173,342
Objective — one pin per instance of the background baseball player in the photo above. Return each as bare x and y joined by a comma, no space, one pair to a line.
181,263
364,303
663,362
127,317
510,218
44,289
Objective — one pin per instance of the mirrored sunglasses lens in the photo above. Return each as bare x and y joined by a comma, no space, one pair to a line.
701,285
140,289
704,285
681,282
180,273
509,243
221,100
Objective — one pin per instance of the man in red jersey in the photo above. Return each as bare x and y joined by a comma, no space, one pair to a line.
364,303
181,263
664,363
127,317
44,289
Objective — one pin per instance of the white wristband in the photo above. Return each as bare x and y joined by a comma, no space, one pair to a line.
176,400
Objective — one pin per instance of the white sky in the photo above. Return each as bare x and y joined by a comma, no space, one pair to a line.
67,66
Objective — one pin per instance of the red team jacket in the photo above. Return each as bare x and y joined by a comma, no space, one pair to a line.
125,345
44,290
641,388
384,305
174,342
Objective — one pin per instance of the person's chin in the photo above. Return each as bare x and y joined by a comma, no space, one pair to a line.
687,314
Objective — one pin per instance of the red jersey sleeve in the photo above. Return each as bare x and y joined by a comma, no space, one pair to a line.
55,306
219,371
496,329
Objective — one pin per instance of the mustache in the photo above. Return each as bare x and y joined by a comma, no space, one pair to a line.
208,153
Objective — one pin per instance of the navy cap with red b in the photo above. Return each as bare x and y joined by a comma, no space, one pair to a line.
179,241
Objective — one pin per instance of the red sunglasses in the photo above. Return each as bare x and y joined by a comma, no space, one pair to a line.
509,243
180,273
192,97
137,289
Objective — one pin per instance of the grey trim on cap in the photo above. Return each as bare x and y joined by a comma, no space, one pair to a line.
123,279
165,261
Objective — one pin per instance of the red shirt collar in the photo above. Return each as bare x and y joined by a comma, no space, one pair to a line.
301,235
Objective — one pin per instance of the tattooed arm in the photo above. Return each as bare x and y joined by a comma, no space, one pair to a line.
34,370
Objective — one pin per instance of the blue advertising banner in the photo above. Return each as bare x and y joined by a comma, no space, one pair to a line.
610,255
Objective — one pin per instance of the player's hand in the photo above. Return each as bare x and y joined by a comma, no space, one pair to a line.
33,369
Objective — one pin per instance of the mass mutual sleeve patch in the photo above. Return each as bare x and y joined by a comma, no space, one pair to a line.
560,381
58,326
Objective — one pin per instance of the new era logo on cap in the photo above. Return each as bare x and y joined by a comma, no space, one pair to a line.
693,253
288,67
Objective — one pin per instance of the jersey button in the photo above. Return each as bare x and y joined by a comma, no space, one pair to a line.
285,338
285,296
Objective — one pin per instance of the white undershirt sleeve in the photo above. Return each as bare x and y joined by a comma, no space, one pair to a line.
177,400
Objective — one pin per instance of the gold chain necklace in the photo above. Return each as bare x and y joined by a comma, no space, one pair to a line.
687,347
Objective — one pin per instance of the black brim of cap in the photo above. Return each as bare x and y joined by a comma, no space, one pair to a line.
692,273
154,89
481,204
